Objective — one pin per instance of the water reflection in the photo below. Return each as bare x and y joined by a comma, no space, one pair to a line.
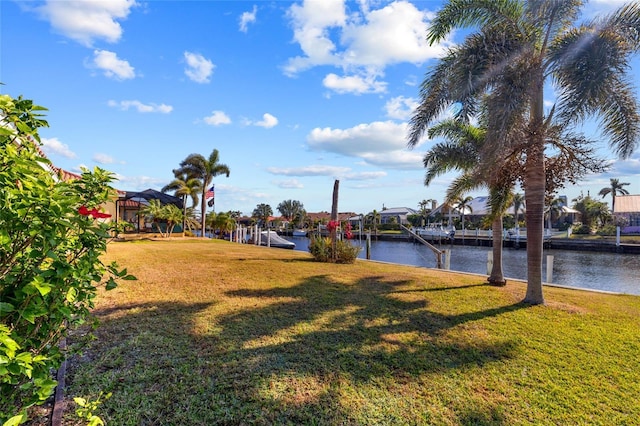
591,270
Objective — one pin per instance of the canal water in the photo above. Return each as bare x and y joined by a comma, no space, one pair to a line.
590,270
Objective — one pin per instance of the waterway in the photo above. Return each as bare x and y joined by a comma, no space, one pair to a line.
582,269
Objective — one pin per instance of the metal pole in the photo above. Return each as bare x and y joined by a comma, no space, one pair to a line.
489,262
549,268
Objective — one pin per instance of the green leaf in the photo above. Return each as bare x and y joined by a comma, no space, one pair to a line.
16,420
111,284
43,288
130,278
95,421
72,293
6,308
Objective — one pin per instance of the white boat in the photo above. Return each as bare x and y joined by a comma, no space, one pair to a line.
299,233
272,239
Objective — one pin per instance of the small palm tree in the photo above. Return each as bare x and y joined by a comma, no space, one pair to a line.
154,211
184,186
615,188
204,169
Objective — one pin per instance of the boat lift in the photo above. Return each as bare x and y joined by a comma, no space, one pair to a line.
434,249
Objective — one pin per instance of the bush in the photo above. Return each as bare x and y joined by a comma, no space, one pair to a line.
580,229
321,250
51,240
607,230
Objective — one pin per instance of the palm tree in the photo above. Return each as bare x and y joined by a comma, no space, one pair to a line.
291,209
615,188
184,186
518,204
518,45
262,212
463,150
424,207
204,169
373,219
553,209
463,205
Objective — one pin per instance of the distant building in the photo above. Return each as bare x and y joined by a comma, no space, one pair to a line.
628,207
396,215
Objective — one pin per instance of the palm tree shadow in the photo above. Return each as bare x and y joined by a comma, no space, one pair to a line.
319,330
356,331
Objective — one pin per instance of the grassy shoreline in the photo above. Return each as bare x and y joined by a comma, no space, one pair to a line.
220,333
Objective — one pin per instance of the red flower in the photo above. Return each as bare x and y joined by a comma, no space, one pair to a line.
95,213
333,225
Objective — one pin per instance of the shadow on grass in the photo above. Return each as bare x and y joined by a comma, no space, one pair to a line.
287,361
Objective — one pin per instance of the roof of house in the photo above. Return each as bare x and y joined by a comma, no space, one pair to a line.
397,211
627,204
152,194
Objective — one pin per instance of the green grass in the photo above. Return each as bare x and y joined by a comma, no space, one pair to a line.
220,333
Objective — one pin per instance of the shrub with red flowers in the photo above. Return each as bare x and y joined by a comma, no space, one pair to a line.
322,249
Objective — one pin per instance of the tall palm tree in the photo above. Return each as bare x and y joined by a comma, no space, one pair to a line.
184,186
204,169
520,44
463,150
615,188
463,204
518,204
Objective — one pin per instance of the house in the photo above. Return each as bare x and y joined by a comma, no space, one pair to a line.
628,207
396,215
126,207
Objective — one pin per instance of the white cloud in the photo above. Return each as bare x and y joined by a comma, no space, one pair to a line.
314,170
140,182
140,107
101,158
217,118
54,146
311,23
86,21
364,175
248,17
381,143
408,160
362,42
400,108
379,136
268,121
289,184
199,68
345,173
354,84
112,66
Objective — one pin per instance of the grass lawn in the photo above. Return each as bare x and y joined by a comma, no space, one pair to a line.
221,333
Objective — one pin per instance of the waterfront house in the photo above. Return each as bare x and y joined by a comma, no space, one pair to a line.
397,215
628,207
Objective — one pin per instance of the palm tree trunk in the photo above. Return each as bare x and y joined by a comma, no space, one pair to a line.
497,276
334,218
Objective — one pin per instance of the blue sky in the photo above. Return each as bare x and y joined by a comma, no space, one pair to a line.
292,94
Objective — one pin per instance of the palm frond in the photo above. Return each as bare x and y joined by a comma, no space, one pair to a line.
473,13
